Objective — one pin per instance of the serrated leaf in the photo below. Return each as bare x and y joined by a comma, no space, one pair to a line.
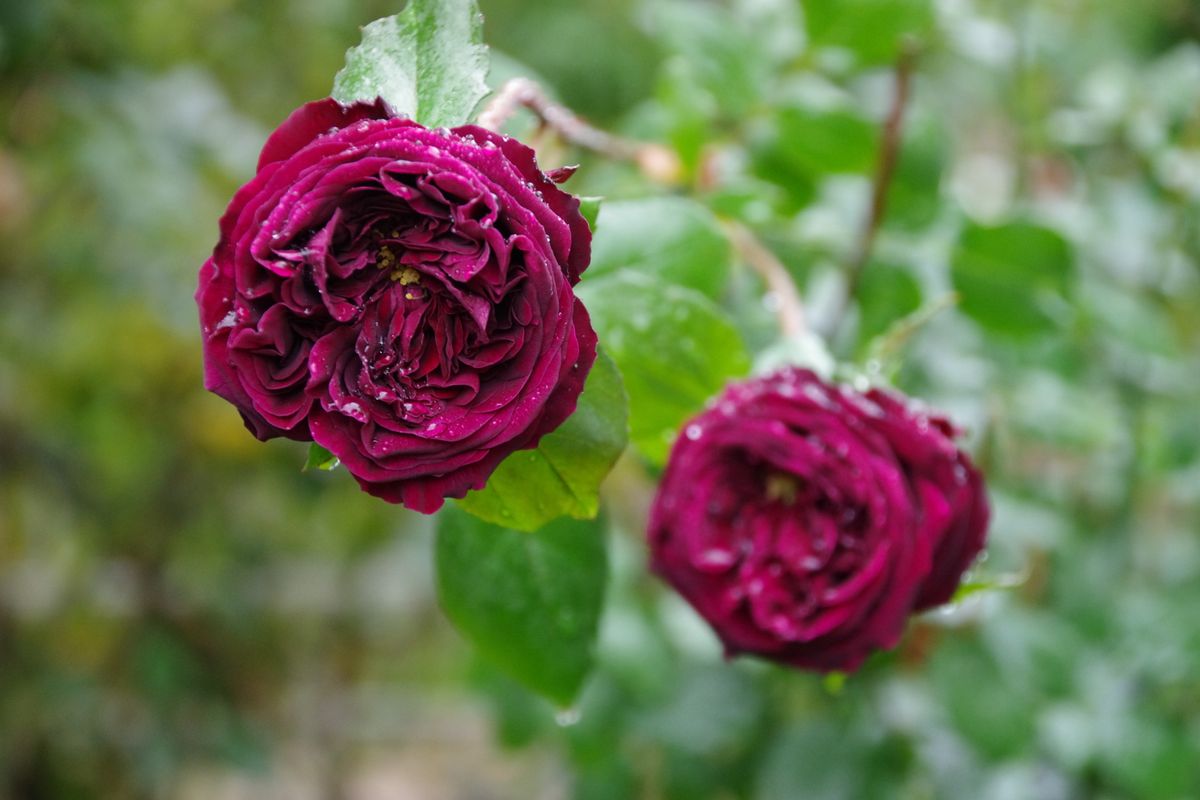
1003,273
674,347
320,458
529,602
672,238
563,475
428,62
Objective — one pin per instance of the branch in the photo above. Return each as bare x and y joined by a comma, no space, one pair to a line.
657,162
889,152
790,310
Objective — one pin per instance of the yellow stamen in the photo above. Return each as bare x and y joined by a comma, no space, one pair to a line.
782,487
406,276
385,258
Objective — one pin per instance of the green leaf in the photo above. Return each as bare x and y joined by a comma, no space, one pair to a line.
1004,275
673,238
320,458
885,294
834,682
563,475
428,62
674,347
805,144
989,583
589,207
873,30
915,198
529,602
716,52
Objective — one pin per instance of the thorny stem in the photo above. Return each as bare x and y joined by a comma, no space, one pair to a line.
657,162
885,168
790,307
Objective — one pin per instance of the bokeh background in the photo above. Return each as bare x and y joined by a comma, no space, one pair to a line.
186,614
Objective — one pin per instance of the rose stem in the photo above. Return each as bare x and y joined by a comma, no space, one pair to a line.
657,162
792,320
889,151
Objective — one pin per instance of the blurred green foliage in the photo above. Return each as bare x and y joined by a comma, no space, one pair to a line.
184,613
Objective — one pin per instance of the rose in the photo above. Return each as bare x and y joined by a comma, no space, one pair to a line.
806,521
399,295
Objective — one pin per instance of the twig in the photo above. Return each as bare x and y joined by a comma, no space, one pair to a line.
790,307
657,162
889,151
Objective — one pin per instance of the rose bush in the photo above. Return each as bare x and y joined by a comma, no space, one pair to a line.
806,521
399,295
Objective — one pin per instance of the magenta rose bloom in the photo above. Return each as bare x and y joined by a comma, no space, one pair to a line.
399,295
806,521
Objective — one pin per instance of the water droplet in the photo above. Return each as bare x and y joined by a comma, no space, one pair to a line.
694,432
716,557
230,319
567,717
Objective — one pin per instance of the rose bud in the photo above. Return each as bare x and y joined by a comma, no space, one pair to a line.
399,295
806,521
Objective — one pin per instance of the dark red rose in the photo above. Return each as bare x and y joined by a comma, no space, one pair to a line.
806,521
399,295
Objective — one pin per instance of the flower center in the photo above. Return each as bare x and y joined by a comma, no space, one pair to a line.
385,259
406,276
782,488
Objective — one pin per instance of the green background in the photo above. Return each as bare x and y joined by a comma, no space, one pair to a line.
186,614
